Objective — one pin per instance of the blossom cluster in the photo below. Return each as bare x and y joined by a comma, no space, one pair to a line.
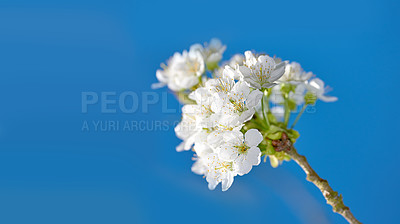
236,111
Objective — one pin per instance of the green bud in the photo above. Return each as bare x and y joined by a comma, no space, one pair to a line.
287,88
274,161
212,66
310,98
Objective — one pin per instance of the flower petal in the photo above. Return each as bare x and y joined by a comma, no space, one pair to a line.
253,156
250,59
278,71
254,98
328,98
253,137
227,182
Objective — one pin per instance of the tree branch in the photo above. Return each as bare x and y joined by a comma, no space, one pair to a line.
332,197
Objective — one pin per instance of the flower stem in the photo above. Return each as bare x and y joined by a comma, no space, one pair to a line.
287,112
263,111
299,115
332,197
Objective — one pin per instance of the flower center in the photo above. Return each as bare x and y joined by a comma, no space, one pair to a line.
237,105
224,86
242,148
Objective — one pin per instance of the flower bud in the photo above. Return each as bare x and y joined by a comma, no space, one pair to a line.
310,98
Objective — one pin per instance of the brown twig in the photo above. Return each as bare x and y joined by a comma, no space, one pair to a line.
332,197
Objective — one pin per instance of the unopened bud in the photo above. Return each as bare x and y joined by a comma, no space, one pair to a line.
310,98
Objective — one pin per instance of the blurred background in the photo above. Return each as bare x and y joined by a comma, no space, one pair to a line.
53,169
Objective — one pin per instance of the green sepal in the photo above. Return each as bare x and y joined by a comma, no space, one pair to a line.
293,135
275,136
270,149
274,128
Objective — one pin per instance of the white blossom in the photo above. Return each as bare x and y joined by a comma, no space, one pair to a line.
233,102
218,171
242,151
212,125
182,71
297,96
221,108
202,110
234,63
261,72
187,129
199,166
212,52
294,73
317,87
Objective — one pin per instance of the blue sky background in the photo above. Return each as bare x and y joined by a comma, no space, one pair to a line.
53,172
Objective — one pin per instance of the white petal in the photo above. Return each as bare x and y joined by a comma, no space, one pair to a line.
234,136
278,72
215,138
212,183
244,71
157,85
250,59
229,72
215,43
214,58
253,137
217,104
162,76
254,98
180,147
268,85
227,152
254,156
240,91
245,162
307,76
196,47
242,166
317,84
199,168
227,182
190,109
328,98
246,115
